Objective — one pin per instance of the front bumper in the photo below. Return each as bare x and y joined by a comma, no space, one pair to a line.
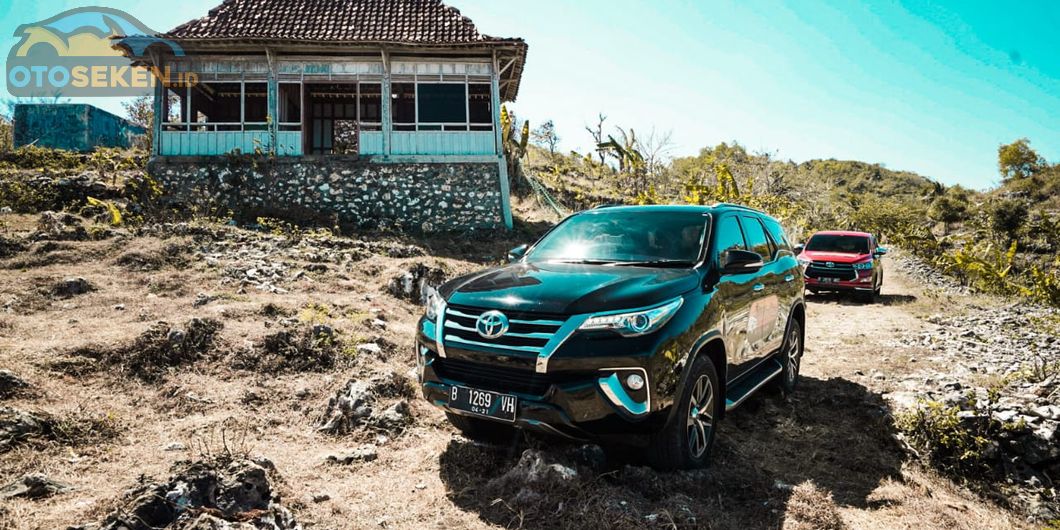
863,282
581,401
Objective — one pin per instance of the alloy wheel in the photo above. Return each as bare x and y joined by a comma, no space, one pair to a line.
793,356
700,420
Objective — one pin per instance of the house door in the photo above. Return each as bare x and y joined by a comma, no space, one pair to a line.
332,119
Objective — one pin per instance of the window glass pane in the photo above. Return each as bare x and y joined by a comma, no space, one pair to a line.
403,106
756,237
371,103
729,236
777,232
290,103
442,103
256,102
479,103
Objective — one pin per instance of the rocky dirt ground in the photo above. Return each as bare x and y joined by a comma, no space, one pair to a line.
205,376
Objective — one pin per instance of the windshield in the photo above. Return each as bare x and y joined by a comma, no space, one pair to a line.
659,237
838,243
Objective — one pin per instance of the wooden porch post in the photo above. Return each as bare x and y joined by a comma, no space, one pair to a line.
156,122
502,164
273,102
388,119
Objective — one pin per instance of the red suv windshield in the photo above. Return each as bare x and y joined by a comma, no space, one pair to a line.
838,243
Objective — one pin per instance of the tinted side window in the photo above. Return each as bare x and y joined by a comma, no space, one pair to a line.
777,233
728,236
756,237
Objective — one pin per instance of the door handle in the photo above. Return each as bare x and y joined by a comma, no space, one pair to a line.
789,277
759,287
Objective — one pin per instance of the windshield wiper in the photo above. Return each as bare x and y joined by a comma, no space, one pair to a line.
656,263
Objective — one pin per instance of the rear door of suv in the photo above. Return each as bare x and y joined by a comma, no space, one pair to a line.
765,310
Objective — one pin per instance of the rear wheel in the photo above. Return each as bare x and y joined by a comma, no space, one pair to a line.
687,439
791,353
481,430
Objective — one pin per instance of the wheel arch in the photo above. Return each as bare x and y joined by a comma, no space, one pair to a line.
711,345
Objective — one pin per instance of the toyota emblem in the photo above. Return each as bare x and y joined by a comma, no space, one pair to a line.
830,265
491,324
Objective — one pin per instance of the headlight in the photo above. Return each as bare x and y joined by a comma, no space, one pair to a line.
435,305
865,266
636,323
805,262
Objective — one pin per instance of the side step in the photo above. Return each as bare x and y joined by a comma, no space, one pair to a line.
750,384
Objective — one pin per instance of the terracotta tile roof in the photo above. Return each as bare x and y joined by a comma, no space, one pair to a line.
397,21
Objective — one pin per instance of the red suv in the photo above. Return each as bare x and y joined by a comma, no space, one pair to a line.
843,261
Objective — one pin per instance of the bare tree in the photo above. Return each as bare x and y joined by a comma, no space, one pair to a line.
598,136
545,135
656,149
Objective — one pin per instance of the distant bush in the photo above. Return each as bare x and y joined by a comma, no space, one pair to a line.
1007,217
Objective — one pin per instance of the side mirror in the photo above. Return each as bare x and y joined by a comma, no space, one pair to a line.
741,262
798,249
881,251
517,253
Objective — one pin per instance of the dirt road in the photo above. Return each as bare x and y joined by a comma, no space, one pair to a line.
827,458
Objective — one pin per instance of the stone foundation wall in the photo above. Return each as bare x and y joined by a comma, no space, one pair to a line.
419,196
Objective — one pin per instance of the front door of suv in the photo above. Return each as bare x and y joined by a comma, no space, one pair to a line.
738,294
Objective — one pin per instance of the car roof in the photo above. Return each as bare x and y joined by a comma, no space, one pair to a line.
691,208
842,233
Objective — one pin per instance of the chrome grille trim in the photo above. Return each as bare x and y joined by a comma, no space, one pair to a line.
542,336
458,340
556,323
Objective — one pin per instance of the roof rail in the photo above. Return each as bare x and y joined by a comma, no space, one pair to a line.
737,206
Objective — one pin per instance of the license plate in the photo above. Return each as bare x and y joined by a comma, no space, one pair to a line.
483,402
829,280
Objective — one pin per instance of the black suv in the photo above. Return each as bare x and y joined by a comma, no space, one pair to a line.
638,325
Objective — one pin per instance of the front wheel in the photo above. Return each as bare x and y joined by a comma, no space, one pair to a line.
792,359
687,439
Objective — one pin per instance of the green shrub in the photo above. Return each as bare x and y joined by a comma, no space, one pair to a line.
42,158
959,446
17,193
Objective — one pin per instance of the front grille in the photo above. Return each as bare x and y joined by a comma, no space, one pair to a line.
820,269
527,332
502,378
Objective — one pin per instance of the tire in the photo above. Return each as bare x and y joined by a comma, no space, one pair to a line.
482,430
791,358
686,441
867,297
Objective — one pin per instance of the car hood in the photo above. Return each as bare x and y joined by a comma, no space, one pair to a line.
835,257
568,289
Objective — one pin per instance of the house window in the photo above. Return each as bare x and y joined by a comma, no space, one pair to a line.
403,106
480,107
290,106
437,106
371,106
255,106
215,107
442,106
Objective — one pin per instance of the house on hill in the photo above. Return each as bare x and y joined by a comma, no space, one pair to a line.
367,111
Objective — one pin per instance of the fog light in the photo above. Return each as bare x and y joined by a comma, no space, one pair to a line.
634,382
